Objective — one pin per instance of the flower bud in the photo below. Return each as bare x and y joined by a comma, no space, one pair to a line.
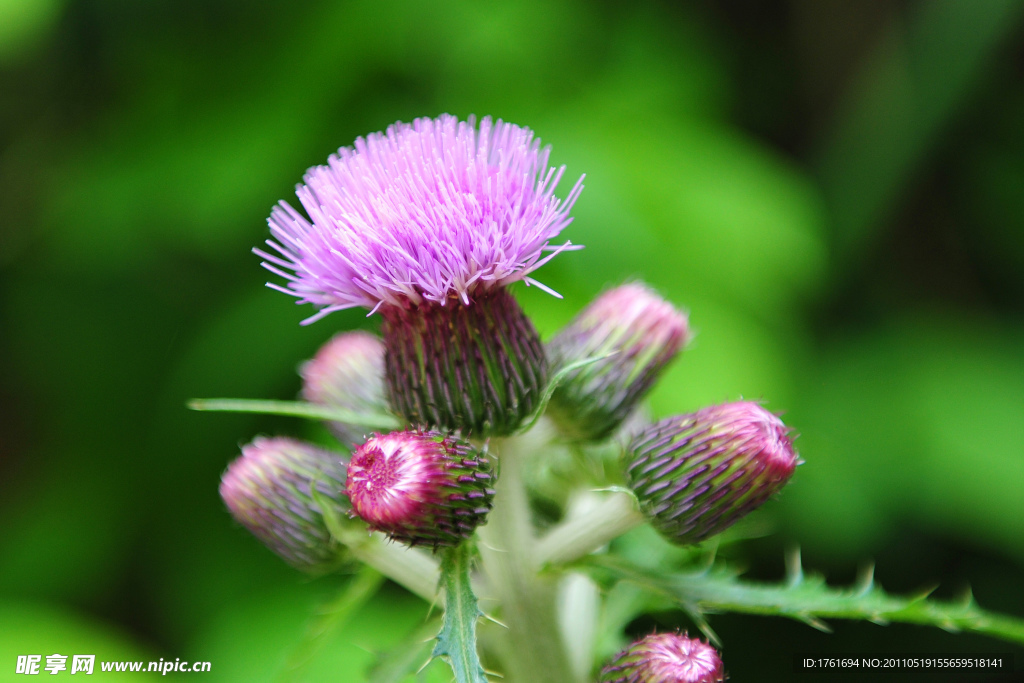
478,367
268,490
641,331
420,487
347,372
665,658
695,475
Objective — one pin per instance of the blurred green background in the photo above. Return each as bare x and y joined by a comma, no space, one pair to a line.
833,188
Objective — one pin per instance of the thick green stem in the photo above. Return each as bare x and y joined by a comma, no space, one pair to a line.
532,649
457,640
581,535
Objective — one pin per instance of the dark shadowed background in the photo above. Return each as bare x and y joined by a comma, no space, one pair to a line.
833,188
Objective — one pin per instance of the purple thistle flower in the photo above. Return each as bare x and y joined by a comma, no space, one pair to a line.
665,658
269,491
347,372
429,211
695,475
420,487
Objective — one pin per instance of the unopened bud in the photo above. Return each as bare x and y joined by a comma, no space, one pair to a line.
269,491
665,658
639,332
420,487
697,474
347,372
478,367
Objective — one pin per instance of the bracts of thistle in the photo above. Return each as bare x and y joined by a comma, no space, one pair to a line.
269,491
635,333
420,487
348,373
427,224
697,474
665,658
479,367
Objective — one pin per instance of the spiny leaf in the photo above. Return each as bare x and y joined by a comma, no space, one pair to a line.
809,599
457,640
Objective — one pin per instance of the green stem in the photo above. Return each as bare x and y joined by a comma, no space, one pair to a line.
532,650
457,640
579,536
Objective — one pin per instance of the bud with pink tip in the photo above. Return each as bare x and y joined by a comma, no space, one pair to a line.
347,372
665,658
697,474
269,491
636,334
420,487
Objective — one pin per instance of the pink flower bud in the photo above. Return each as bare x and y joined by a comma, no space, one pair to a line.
665,658
695,475
420,487
637,334
269,491
347,372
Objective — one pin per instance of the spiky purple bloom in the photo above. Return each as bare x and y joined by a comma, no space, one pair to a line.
347,372
638,333
269,491
665,658
433,211
697,474
420,487
427,223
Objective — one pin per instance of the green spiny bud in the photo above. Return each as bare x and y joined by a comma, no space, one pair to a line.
420,487
697,474
269,491
639,332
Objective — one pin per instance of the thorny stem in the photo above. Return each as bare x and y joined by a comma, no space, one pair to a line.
532,650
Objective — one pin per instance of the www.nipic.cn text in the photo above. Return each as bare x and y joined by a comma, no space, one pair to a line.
86,664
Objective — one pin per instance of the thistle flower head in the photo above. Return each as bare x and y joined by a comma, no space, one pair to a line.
347,372
429,211
420,487
636,334
665,658
269,491
697,474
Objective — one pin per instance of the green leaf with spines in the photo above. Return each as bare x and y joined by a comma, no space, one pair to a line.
803,597
457,640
